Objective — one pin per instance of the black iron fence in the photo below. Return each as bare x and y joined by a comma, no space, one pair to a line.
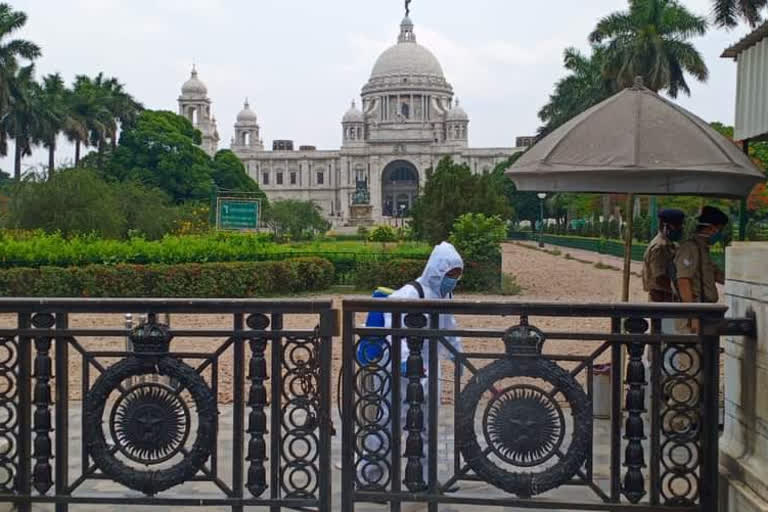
153,426
150,419
523,424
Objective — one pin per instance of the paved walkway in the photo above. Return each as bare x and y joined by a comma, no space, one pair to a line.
203,490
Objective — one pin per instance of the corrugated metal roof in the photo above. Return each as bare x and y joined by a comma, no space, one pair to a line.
748,41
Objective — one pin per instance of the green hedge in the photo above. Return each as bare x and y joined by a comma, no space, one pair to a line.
485,277
603,245
231,280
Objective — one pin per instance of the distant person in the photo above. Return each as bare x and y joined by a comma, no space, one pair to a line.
659,258
697,274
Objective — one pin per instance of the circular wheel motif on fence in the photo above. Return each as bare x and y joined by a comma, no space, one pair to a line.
523,426
149,424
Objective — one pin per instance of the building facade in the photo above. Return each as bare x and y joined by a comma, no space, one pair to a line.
407,121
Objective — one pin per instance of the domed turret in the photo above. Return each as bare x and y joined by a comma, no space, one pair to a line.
353,126
195,105
194,86
457,113
353,115
247,130
456,123
247,115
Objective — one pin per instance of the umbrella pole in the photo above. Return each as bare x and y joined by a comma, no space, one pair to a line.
628,246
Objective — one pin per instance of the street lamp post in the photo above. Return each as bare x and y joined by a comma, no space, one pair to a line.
542,197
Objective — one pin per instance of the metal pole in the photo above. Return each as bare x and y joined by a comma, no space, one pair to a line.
743,204
541,222
628,247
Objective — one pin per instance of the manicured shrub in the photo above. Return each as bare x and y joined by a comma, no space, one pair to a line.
230,280
383,233
390,273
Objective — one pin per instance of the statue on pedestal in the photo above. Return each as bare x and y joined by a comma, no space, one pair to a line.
361,195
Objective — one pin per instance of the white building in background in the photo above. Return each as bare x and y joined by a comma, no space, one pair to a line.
407,121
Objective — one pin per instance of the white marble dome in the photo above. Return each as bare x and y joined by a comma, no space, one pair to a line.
407,57
353,115
194,86
247,115
457,113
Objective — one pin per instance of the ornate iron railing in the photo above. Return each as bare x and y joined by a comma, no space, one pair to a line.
150,420
522,426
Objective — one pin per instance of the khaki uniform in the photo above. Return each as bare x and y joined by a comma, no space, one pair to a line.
694,262
657,262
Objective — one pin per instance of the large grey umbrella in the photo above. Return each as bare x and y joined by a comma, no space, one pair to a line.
636,142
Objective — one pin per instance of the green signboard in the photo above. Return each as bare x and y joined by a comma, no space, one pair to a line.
237,213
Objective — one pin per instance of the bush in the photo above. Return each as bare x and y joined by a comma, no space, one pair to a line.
294,219
383,234
478,239
80,202
225,280
390,273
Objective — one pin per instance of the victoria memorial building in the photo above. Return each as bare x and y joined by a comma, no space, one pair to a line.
408,119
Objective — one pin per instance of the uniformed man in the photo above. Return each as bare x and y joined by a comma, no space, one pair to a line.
659,258
697,274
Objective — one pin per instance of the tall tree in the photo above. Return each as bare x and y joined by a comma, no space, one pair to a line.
451,190
651,40
53,116
11,50
91,117
584,87
21,120
729,12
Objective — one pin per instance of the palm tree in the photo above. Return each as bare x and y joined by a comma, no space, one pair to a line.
728,12
10,52
584,87
124,108
651,40
99,108
21,121
53,116
88,115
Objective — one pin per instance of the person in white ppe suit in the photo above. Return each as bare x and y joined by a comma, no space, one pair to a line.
440,277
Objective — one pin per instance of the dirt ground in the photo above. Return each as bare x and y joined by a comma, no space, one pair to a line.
542,276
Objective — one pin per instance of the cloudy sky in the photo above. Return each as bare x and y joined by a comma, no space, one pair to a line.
301,62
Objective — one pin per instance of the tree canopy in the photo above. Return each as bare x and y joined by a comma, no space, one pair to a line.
162,149
451,190
651,40
296,219
729,12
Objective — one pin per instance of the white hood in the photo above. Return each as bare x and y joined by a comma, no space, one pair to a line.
444,258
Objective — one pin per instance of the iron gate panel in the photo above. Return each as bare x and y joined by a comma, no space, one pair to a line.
150,415
523,421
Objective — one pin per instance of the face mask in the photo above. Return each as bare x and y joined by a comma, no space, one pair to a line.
716,237
675,235
447,286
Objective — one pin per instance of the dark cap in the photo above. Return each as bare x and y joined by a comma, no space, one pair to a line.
672,216
712,215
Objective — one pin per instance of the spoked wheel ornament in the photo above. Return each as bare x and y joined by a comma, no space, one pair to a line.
150,424
523,425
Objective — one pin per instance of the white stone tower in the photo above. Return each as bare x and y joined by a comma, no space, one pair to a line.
456,124
247,136
353,124
195,105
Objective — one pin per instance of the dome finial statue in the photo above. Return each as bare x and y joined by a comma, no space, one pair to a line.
408,8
